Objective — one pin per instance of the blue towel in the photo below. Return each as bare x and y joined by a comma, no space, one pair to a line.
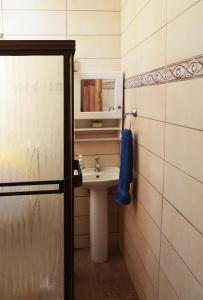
126,169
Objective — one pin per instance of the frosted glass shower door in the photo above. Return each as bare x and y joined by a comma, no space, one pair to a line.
32,150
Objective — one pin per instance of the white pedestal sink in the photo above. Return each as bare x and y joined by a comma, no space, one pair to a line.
98,183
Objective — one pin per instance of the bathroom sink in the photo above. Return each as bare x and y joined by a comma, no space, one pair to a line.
107,177
98,183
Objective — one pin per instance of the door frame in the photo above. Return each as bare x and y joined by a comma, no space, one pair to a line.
67,50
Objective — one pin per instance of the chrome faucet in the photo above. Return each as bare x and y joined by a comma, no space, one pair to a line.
97,165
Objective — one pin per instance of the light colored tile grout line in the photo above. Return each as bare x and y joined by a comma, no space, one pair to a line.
124,3
180,213
169,282
61,10
92,58
140,258
63,34
184,126
138,13
156,31
170,123
170,163
66,20
124,249
87,215
161,232
149,150
184,11
95,10
152,219
183,171
2,20
164,198
140,174
141,232
88,234
163,177
123,55
176,251
95,35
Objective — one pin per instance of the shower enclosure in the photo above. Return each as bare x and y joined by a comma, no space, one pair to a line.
36,170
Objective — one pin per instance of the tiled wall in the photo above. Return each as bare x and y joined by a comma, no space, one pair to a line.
95,25
161,232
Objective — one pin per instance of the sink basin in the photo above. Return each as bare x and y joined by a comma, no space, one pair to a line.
107,177
98,183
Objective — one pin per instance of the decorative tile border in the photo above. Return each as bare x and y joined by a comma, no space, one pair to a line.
187,69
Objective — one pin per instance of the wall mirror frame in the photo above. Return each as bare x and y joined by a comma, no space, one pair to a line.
114,111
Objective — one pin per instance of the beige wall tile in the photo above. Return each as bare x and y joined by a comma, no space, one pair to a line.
149,229
184,103
148,56
130,10
127,13
34,22
123,2
34,4
182,280
113,241
174,8
150,199
166,291
81,192
182,35
140,245
138,269
96,22
35,37
185,193
185,239
81,206
93,5
112,204
99,65
113,223
99,147
149,101
1,22
139,29
129,38
97,46
184,148
81,225
151,167
132,271
150,134
152,53
81,241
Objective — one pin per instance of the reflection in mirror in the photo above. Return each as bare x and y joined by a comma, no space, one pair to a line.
97,95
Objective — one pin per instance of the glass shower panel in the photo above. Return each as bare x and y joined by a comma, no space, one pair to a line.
31,149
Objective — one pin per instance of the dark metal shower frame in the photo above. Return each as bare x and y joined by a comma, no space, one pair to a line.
65,186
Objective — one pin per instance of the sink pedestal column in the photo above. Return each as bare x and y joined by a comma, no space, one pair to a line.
99,225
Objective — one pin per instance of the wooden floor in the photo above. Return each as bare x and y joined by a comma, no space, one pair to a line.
108,281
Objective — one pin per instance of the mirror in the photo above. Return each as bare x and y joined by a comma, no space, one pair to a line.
98,95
